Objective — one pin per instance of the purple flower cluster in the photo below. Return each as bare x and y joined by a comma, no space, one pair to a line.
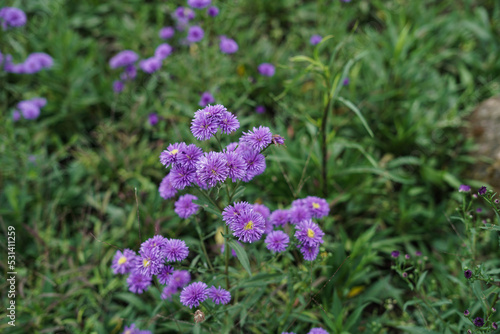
238,161
196,293
302,209
29,109
134,330
308,233
153,255
12,17
34,63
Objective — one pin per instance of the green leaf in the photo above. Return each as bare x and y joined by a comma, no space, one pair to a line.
242,255
351,106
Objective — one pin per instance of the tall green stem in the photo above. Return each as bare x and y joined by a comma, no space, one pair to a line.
324,150
226,251
202,242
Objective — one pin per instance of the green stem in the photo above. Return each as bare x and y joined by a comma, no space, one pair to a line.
226,251
202,242
324,148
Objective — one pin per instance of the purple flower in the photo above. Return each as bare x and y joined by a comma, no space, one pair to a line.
153,119
156,245
165,274
309,252
315,39
466,313
464,188
182,176
185,207
219,295
123,262
405,275
395,254
138,283
129,73
279,217
277,241
179,278
168,291
418,253
494,325
318,207
407,256
29,109
166,32
482,191
176,250
258,139
134,330
166,189
195,34
193,294
213,11
236,165
231,213
199,4
203,126
249,226
123,59
150,65
172,153
467,274
182,13
317,330
260,109
150,262
266,69
309,233
212,168
11,16
478,322
118,86
228,123
36,62
206,98
163,51
189,155
278,140
262,209
298,214
256,164
227,45
345,82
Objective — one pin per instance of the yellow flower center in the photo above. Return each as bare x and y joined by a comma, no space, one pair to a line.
315,205
310,233
174,151
122,260
146,263
249,226
128,331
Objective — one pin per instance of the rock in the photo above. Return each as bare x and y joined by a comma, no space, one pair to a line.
484,128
